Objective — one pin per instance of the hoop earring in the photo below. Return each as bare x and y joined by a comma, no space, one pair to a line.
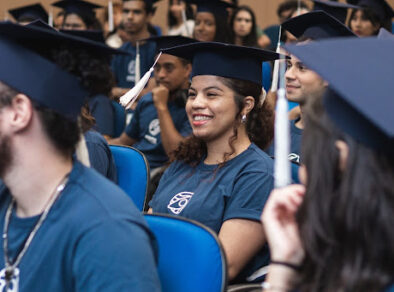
243,119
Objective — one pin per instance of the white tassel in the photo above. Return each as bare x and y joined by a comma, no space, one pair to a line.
50,18
110,16
130,97
82,151
137,71
274,84
282,167
184,19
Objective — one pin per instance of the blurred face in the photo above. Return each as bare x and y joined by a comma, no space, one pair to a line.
135,18
361,26
171,72
74,22
242,23
205,27
177,7
301,82
211,108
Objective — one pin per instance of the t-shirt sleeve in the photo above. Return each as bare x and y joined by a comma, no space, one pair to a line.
250,193
103,113
115,255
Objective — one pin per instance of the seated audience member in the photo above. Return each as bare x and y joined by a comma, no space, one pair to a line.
334,232
338,10
26,14
159,122
57,214
79,15
303,84
220,176
370,17
177,25
211,23
243,27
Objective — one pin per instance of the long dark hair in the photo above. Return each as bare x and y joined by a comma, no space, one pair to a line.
370,15
346,220
259,125
89,19
172,20
251,39
222,33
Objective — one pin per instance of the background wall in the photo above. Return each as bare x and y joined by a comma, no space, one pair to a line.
265,9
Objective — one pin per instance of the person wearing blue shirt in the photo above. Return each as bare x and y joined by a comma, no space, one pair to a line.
100,107
220,176
136,17
159,121
65,227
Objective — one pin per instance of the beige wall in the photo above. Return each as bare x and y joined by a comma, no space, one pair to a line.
264,9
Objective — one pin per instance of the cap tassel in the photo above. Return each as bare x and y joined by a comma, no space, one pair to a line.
282,167
184,19
81,150
137,74
111,26
130,97
275,75
50,18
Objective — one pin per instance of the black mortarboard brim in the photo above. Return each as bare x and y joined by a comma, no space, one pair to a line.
224,60
385,34
360,101
41,80
29,12
216,7
93,35
336,9
79,7
381,8
40,33
165,42
316,25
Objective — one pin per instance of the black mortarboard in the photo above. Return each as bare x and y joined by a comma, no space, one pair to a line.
216,7
316,25
41,80
29,13
169,41
224,60
82,8
381,8
93,35
359,72
336,9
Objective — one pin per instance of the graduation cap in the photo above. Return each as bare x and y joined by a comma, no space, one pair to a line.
41,80
225,60
82,8
336,9
165,42
316,25
29,13
380,7
359,73
90,34
216,7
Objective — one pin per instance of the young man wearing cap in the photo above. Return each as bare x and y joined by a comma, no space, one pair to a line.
160,122
303,84
58,215
136,17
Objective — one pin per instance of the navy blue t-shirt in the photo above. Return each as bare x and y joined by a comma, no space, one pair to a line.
123,66
101,109
100,155
295,143
212,195
94,239
145,128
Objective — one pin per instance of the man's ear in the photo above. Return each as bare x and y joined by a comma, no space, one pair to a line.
343,149
21,111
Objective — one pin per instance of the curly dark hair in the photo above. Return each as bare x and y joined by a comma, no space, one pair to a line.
251,39
346,218
63,132
259,125
89,19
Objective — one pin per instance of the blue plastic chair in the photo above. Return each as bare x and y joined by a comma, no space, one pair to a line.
120,118
190,256
133,173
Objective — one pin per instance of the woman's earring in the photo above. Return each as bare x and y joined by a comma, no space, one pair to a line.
243,119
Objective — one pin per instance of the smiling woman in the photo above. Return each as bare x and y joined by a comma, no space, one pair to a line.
220,176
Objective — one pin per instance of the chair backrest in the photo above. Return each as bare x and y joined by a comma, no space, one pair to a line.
120,118
133,173
191,257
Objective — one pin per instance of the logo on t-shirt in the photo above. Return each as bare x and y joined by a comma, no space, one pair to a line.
154,127
131,71
13,284
179,202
